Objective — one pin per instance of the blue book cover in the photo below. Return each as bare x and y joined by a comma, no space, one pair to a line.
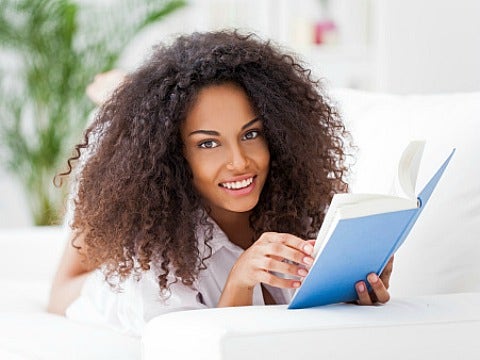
357,247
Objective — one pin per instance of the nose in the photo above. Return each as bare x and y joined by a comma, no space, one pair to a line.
238,159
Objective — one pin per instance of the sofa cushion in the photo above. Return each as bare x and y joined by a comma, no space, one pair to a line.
442,252
46,336
30,257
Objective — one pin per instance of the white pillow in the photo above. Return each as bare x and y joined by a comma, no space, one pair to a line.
442,253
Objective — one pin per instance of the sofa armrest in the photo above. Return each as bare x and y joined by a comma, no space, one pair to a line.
431,327
47,336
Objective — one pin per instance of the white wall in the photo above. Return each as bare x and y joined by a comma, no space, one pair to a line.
427,46
13,204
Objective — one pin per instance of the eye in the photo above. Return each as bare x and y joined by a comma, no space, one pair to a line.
252,134
209,144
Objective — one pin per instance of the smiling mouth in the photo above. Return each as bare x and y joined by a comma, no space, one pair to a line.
237,185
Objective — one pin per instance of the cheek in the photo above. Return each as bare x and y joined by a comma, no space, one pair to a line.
203,169
262,156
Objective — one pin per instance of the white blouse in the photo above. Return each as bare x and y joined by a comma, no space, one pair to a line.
139,300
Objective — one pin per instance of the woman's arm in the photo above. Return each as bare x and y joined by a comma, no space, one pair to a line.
68,279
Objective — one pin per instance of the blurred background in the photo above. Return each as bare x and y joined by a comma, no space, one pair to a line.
50,50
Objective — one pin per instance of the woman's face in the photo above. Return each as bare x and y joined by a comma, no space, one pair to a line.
226,150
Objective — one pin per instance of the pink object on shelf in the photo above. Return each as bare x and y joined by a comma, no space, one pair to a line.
325,31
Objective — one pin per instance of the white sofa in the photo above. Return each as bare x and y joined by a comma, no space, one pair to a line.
435,287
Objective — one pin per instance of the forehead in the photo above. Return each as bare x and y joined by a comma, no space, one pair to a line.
219,105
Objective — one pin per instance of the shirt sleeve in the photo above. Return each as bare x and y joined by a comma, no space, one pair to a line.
129,309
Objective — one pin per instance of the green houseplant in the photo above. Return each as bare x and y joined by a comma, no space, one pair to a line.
51,50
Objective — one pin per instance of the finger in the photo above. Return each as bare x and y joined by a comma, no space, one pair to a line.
281,251
387,273
362,292
311,241
378,288
290,241
286,246
273,265
275,281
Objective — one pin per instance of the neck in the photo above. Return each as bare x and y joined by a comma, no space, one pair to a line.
236,226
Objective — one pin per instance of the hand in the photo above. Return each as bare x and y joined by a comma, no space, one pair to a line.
104,84
262,262
379,284
266,256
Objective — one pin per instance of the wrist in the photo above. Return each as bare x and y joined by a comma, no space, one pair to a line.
236,295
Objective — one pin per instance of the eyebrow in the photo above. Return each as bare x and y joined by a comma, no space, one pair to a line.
216,133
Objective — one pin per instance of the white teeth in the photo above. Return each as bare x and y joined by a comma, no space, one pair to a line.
235,185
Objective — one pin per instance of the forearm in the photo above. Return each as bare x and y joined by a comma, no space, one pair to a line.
64,292
235,296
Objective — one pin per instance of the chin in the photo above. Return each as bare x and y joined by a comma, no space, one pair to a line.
242,208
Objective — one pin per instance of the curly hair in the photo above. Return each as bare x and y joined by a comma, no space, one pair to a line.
136,207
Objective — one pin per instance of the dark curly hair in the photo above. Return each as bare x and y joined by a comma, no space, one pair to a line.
136,207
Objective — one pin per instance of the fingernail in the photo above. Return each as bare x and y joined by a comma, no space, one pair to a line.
360,287
372,278
302,272
308,249
296,284
308,260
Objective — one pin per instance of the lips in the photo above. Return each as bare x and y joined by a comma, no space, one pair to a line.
238,184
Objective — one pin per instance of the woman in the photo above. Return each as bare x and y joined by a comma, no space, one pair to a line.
206,173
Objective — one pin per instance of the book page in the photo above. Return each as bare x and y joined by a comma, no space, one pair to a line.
407,170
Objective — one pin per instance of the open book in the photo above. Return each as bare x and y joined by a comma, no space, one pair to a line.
361,232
